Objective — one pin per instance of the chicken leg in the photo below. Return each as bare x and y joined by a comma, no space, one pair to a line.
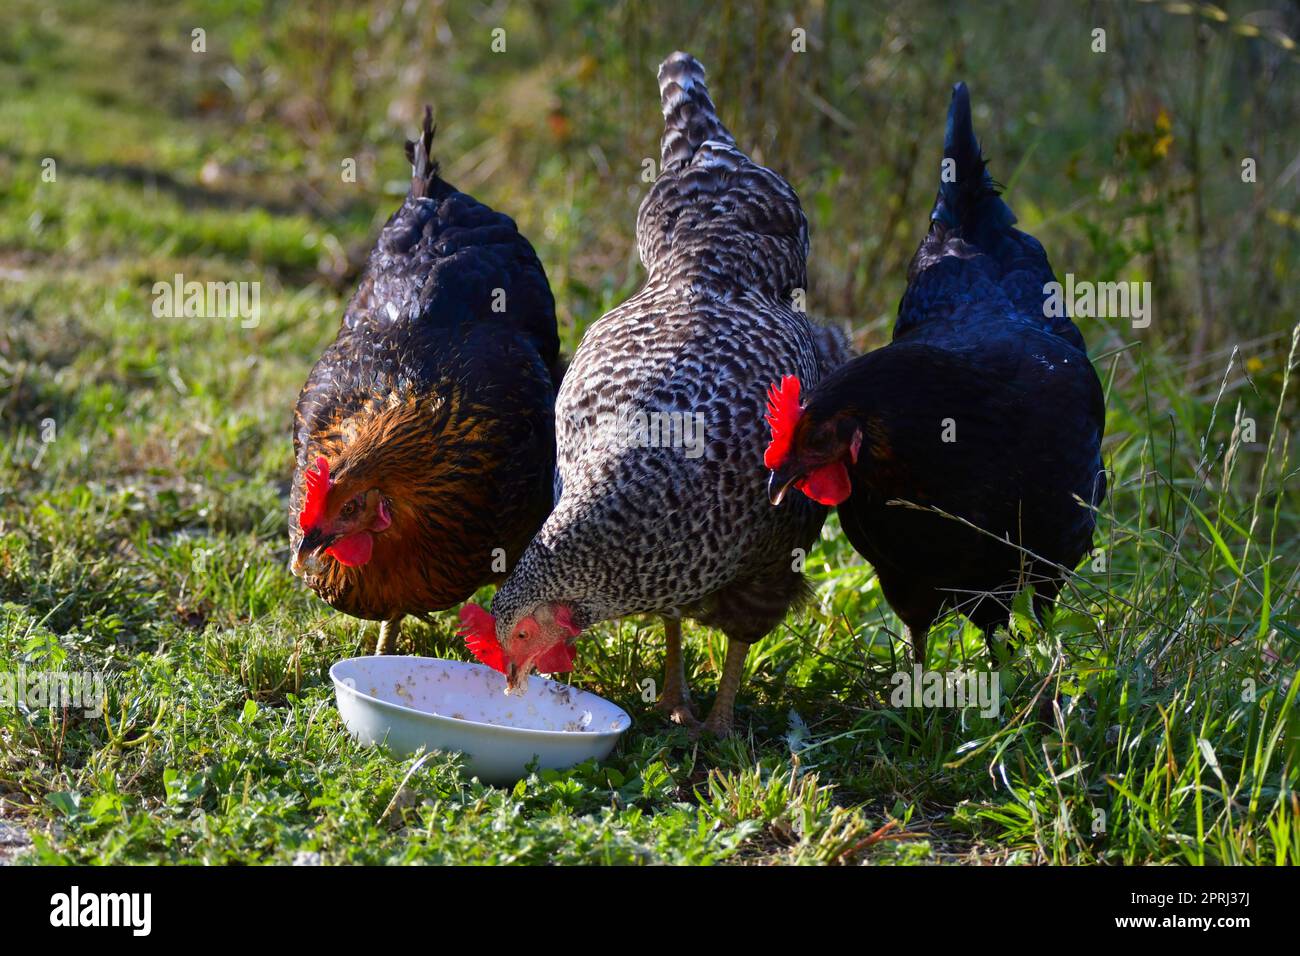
719,721
675,701
389,631
916,637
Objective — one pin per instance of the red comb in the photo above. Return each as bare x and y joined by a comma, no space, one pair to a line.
479,628
783,410
318,488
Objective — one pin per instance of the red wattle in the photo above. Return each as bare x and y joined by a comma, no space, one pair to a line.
828,485
558,658
352,551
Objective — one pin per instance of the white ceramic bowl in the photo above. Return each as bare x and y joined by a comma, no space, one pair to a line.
411,702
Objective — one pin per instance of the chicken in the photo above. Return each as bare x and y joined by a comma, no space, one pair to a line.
425,435
982,408
671,519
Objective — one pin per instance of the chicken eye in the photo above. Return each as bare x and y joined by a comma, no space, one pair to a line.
821,442
349,509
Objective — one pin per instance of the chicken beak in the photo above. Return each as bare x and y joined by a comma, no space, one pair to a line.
778,483
516,678
312,542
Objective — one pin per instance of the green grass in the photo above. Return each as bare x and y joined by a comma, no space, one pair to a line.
1153,720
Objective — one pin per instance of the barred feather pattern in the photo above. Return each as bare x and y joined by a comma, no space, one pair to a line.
690,119
652,529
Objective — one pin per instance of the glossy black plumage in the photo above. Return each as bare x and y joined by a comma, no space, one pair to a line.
981,407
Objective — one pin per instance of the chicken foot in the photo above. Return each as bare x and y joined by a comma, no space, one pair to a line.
719,721
675,701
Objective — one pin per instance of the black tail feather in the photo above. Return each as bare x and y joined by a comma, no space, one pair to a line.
424,168
967,193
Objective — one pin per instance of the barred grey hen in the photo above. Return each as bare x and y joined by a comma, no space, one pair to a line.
670,527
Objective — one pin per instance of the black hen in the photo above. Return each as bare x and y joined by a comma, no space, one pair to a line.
425,434
981,408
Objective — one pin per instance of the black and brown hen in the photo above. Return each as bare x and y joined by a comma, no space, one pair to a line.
425,436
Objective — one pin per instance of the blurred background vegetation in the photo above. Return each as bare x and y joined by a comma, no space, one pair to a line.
149,537
1127,164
